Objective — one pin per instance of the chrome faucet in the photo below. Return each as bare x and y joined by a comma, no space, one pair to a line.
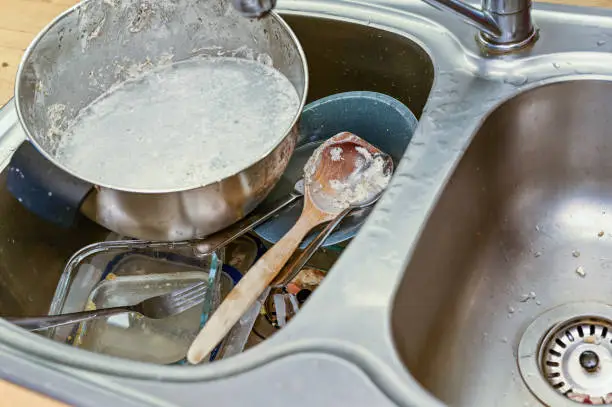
505,25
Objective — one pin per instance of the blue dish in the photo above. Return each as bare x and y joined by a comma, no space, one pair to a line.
379,119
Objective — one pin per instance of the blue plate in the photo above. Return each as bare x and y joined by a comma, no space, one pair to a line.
379,119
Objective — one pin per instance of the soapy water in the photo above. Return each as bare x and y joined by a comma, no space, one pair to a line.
180,126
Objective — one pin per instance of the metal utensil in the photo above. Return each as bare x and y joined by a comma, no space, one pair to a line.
294,266
222,238
343,159
159,307
97,44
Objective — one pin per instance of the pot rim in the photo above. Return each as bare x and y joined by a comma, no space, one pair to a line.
273,14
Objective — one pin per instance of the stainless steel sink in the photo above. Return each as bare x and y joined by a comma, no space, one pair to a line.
344,56
480,278
523,225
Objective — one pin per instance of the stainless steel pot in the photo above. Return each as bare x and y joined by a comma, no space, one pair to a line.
99,43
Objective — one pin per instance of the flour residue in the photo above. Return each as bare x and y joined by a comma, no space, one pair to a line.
370,176
367,180
336,153
179,126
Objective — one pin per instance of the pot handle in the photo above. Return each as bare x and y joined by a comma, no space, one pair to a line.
44,188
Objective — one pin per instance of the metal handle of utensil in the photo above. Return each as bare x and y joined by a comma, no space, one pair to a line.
293,267
51,321
229,234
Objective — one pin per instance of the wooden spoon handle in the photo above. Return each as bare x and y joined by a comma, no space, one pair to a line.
250,287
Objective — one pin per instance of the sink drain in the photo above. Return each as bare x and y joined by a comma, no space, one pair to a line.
576,360
565,355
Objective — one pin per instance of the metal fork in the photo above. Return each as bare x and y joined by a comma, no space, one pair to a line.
161,306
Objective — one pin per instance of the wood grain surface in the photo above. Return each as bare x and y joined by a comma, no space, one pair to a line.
12,395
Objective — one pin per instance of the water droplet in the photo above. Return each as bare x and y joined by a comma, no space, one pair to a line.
556,65
601,42
516,80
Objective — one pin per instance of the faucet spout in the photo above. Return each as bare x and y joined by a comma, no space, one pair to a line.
472,15
505,25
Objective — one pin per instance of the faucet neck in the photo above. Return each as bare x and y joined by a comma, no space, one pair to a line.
513,18
505,25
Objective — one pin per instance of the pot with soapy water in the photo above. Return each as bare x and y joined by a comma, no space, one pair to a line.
100,48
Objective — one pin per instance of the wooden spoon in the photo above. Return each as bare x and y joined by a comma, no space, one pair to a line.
343,171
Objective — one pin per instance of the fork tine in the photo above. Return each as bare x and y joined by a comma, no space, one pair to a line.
185,290
187,305
174,302
184,306
194,296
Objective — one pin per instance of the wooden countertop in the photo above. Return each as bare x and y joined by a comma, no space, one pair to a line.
13,396
20,21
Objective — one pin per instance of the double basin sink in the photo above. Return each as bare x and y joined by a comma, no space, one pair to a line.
498,216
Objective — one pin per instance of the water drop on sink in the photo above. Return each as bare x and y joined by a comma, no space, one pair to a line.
601,42
516,80
556,65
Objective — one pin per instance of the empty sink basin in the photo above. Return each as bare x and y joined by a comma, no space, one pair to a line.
519,245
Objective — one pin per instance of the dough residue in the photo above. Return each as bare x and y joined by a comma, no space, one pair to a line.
336,153
367,180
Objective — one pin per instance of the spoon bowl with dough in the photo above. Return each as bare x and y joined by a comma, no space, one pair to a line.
343,172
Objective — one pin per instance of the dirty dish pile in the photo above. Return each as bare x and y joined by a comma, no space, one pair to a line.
377,118
167,122
343,172
123,272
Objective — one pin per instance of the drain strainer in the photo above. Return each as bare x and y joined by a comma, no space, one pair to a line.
565,355
576,360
